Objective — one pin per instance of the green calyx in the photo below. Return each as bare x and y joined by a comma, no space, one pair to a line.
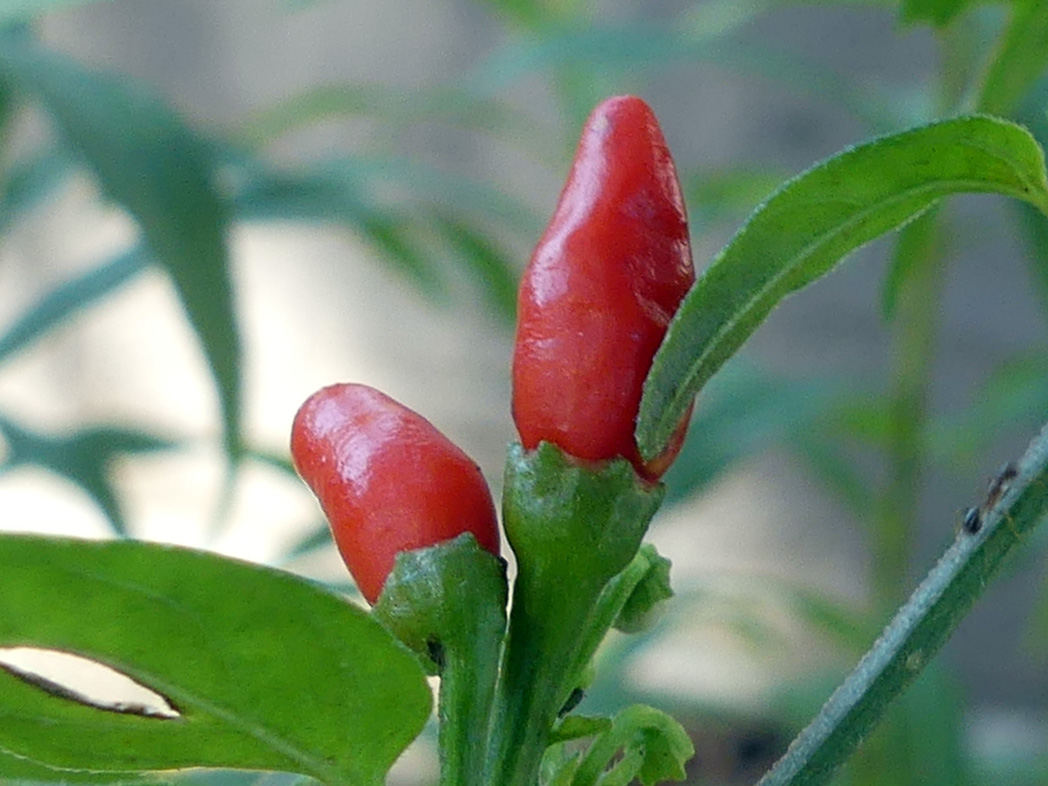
449,595
583,522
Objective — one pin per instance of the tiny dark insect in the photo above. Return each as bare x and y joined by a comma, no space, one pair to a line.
576,696
1005,475
972,522
436,652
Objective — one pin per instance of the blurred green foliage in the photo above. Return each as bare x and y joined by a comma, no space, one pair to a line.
186,186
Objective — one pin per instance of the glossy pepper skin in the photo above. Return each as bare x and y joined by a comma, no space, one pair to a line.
387,480
600,290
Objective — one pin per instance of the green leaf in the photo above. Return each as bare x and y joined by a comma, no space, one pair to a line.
28,181
1019,60
653,747
147,161
559,764
341,189
647,594
326,194
920,627
65,300
575,727
316,539
488,264
387,104
936,12
940,752
23,10
266,670
810,225
1014,395
84,457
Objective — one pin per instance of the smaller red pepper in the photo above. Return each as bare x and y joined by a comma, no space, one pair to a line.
600,290
387,480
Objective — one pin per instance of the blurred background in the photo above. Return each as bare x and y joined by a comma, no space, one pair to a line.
211,209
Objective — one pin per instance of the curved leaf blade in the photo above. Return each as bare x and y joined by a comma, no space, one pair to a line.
919,628
267,670
150,163
803,230
449,105
69,297
84,457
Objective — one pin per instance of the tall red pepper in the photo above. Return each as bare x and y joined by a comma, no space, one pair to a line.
600,290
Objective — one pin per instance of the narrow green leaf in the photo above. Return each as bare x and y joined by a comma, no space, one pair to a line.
810,225
1013,396
266,670
920,627
495,274
940,754
29,181
84,458
317,538
437,187
65,300
155,167
342,191
327,196
1019,60
384,103
936,12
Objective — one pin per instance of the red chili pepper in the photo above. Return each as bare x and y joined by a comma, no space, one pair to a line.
600,290
387,480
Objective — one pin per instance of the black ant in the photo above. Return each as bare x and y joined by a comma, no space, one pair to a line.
973,517
1005,475
972,521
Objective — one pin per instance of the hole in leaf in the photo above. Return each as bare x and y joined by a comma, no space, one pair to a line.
85,681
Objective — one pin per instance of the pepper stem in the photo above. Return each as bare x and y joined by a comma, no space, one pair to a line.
546,633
